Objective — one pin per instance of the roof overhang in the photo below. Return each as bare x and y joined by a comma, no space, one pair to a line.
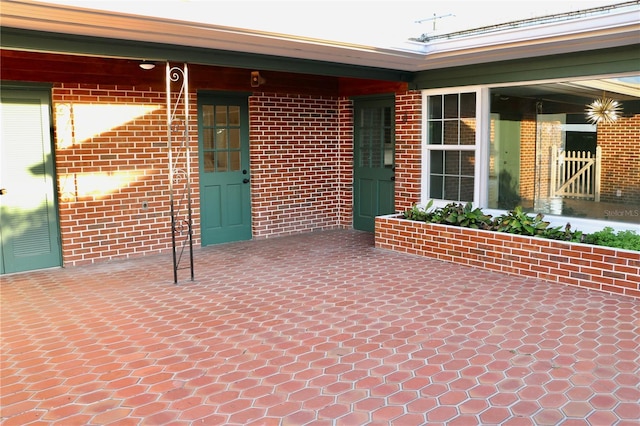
617,28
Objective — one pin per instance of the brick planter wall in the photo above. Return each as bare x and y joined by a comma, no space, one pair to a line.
594,267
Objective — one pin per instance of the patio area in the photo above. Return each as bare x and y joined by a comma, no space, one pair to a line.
312,329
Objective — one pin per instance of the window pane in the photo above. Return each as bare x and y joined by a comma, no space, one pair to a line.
468,131
435,186
221,115
221,165
234,138
207,115
452,163
467,105
451,132
221,139
467,163
466,189
451,187
451,106
207,138
435,132
435,107
234,115
235,161
437,162
387,117
208,162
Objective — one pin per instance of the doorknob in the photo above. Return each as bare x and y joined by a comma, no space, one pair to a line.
245,180
393,178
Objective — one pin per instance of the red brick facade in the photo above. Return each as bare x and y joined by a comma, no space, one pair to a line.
598,268
408,149
296,169
112,168
620,143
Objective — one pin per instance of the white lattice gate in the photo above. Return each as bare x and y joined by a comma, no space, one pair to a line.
576,174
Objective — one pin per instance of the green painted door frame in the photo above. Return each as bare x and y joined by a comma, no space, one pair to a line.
29,226
373,160
223,160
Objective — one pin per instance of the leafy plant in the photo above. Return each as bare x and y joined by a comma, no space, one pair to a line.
567,234
466,216
517,221
629,240
419,214
452,214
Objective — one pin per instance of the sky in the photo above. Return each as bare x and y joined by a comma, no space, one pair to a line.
380,23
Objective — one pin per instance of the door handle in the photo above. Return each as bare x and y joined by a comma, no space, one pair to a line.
245,180
3,191
393,178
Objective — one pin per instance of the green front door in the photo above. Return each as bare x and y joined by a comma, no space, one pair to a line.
223,132
374,161
29,229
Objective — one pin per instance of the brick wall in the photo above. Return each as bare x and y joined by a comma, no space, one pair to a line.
111,165
598,268
345,163
112,168
408,149
528,157
620,143
295,163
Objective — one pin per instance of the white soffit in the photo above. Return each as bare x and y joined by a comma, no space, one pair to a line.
617,28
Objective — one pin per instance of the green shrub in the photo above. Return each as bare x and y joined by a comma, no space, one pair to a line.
629,240
518,222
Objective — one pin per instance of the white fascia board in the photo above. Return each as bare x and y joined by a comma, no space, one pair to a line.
86,22
613,30
598,32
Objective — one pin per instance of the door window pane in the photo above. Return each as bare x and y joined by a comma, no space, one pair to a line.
209,163
234,115
234,138
221,115
207,115
221,139
235,161
207,138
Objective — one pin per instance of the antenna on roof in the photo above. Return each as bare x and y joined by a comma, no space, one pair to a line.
434,19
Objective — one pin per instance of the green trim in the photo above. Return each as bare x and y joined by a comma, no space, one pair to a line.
20,39
596,62
377,96
20,85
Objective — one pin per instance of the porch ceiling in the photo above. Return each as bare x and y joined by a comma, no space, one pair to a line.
276,51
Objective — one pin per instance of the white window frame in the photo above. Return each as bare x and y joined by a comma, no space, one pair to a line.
482,151
480,148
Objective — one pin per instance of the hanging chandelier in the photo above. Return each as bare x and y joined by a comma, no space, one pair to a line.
603,110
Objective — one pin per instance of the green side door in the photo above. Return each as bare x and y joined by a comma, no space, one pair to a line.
225,196
29,228
374,161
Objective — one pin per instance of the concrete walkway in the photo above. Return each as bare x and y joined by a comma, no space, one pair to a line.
315,329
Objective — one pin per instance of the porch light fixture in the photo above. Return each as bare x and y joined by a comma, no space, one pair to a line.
603,110
147,65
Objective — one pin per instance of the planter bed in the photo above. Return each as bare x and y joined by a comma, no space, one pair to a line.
600,268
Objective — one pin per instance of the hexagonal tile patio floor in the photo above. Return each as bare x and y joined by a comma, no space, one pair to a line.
316,329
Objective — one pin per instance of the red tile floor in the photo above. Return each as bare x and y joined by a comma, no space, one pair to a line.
316,329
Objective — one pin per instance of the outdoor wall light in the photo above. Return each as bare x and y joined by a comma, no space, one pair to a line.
147,65
256,79
603,110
